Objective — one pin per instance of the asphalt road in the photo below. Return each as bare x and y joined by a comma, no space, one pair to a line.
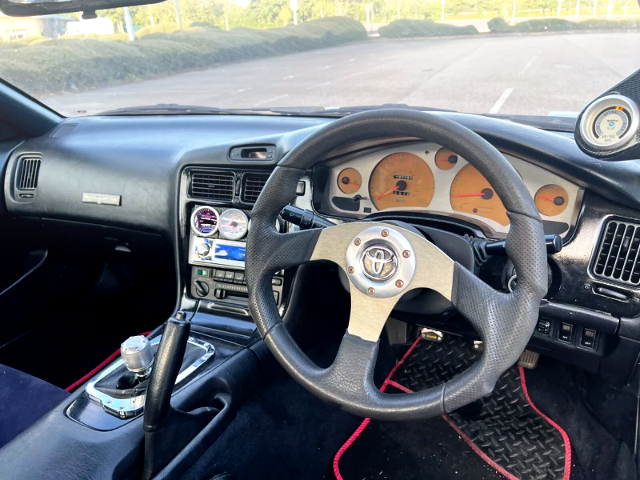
529,74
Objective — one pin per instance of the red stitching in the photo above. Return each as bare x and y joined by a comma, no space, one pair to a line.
565,437
104,363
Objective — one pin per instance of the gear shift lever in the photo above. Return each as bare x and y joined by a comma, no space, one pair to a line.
137,355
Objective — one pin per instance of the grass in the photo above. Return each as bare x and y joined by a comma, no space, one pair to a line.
79,64
405,28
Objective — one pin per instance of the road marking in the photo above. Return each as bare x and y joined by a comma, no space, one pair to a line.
325,67
289,77
319,85
503,98
526,67
352,59
240,91
269,100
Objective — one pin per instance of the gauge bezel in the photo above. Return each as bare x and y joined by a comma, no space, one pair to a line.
193,221
234,210
596,108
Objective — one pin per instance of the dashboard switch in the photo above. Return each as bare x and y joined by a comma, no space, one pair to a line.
566,329
544,327
588,338
219,293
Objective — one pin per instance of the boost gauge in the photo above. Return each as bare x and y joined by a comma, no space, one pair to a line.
233,224
609,123
204,221
349,181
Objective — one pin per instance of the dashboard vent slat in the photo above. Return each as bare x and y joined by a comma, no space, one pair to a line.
252,186
29,170
213,185
618,257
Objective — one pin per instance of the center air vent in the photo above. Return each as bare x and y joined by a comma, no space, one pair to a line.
28,173
617,257
213,185
252,186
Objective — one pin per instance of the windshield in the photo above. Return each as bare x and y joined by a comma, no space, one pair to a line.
521,57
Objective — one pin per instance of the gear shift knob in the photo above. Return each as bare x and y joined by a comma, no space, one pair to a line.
137,355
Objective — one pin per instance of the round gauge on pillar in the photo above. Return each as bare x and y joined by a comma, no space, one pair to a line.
204,221
233,224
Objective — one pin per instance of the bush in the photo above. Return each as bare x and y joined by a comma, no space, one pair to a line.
203,25
57,65
159,28
545,25
498,25
423,28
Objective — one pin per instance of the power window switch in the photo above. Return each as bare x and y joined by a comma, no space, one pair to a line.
543,327
588,338
566,329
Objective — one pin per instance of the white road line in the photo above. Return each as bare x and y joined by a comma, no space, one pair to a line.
269,100
503,98
318,85
526,67
289,77
325,67
240,91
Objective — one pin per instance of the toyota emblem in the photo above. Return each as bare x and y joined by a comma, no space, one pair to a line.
379,263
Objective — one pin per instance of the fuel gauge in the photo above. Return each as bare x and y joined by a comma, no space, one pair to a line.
552,200
349,181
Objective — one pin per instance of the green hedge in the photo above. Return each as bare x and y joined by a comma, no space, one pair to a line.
58,65
499,25
423,28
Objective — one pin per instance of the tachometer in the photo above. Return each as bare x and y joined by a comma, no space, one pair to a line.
349,181
233,224
471,193
552,200
204,221
401,180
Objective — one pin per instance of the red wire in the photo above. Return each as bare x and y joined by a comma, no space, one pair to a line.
104,363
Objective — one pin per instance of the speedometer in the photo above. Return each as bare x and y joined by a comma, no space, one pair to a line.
401,180
233,224
204,221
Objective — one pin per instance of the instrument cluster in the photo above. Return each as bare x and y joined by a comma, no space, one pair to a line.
428,178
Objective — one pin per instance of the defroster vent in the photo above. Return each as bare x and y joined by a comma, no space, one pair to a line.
213,185
617,258
252,186
28,173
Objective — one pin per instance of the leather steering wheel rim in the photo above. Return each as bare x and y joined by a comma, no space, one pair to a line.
504,321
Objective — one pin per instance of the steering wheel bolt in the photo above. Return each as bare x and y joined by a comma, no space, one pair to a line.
399,283
350,269
371,291
384,233
406,254
357,241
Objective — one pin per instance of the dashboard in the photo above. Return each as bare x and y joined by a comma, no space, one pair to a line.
125,188
425,177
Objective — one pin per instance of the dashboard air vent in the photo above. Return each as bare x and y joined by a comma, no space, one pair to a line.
213,185
617,259
28,173
253,185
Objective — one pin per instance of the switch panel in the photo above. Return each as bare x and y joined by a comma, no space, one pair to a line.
588,338
544,327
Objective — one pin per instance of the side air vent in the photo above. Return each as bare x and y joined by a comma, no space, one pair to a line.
27,177
617,259
213,185
252,186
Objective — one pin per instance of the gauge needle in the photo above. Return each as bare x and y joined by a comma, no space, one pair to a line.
388,192
354,183
547,198
469,195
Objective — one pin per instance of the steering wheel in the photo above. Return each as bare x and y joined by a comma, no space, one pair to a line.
383,262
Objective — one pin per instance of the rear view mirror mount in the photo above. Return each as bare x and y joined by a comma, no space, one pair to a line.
16,8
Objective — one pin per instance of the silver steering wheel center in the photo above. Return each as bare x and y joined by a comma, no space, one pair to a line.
381,262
